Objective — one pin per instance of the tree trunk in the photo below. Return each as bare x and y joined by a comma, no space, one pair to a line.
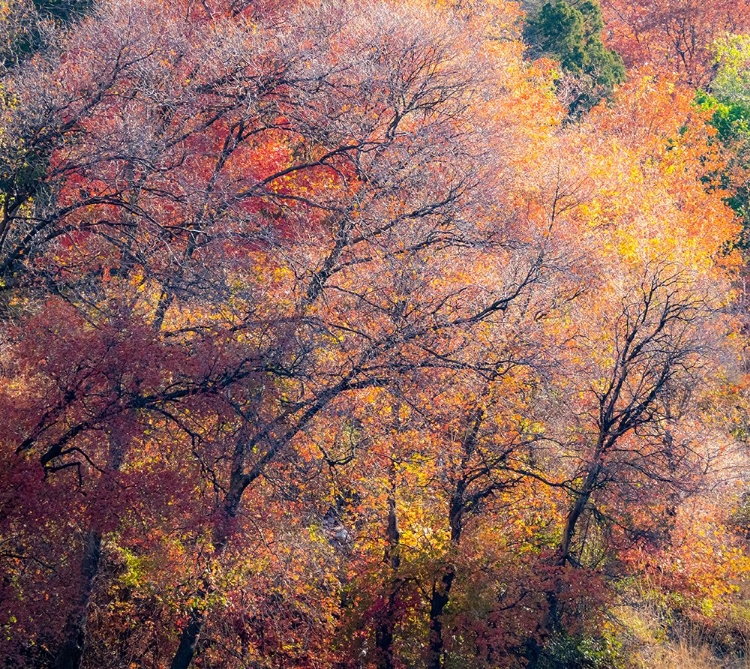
188,640
387,621
442,591
71,653
221,532
551,623
438,602
384,631
575,513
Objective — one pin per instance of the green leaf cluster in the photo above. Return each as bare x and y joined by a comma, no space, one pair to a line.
729,104
579,651
571,34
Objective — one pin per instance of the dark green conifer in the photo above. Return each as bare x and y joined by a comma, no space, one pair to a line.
571,33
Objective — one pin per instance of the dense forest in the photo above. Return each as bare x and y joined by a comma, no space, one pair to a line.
387,334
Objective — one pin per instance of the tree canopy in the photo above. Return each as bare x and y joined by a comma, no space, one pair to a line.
368,335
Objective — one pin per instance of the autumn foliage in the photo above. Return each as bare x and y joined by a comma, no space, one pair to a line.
328,338
677,35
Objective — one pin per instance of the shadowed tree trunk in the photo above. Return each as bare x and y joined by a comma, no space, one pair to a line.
392,558
71,653
438,602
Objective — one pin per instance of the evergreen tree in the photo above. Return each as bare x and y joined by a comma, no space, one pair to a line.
571,34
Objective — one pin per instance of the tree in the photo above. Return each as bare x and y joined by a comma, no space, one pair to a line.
729,104
628,450
675,36
572,35
316,321
274,233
